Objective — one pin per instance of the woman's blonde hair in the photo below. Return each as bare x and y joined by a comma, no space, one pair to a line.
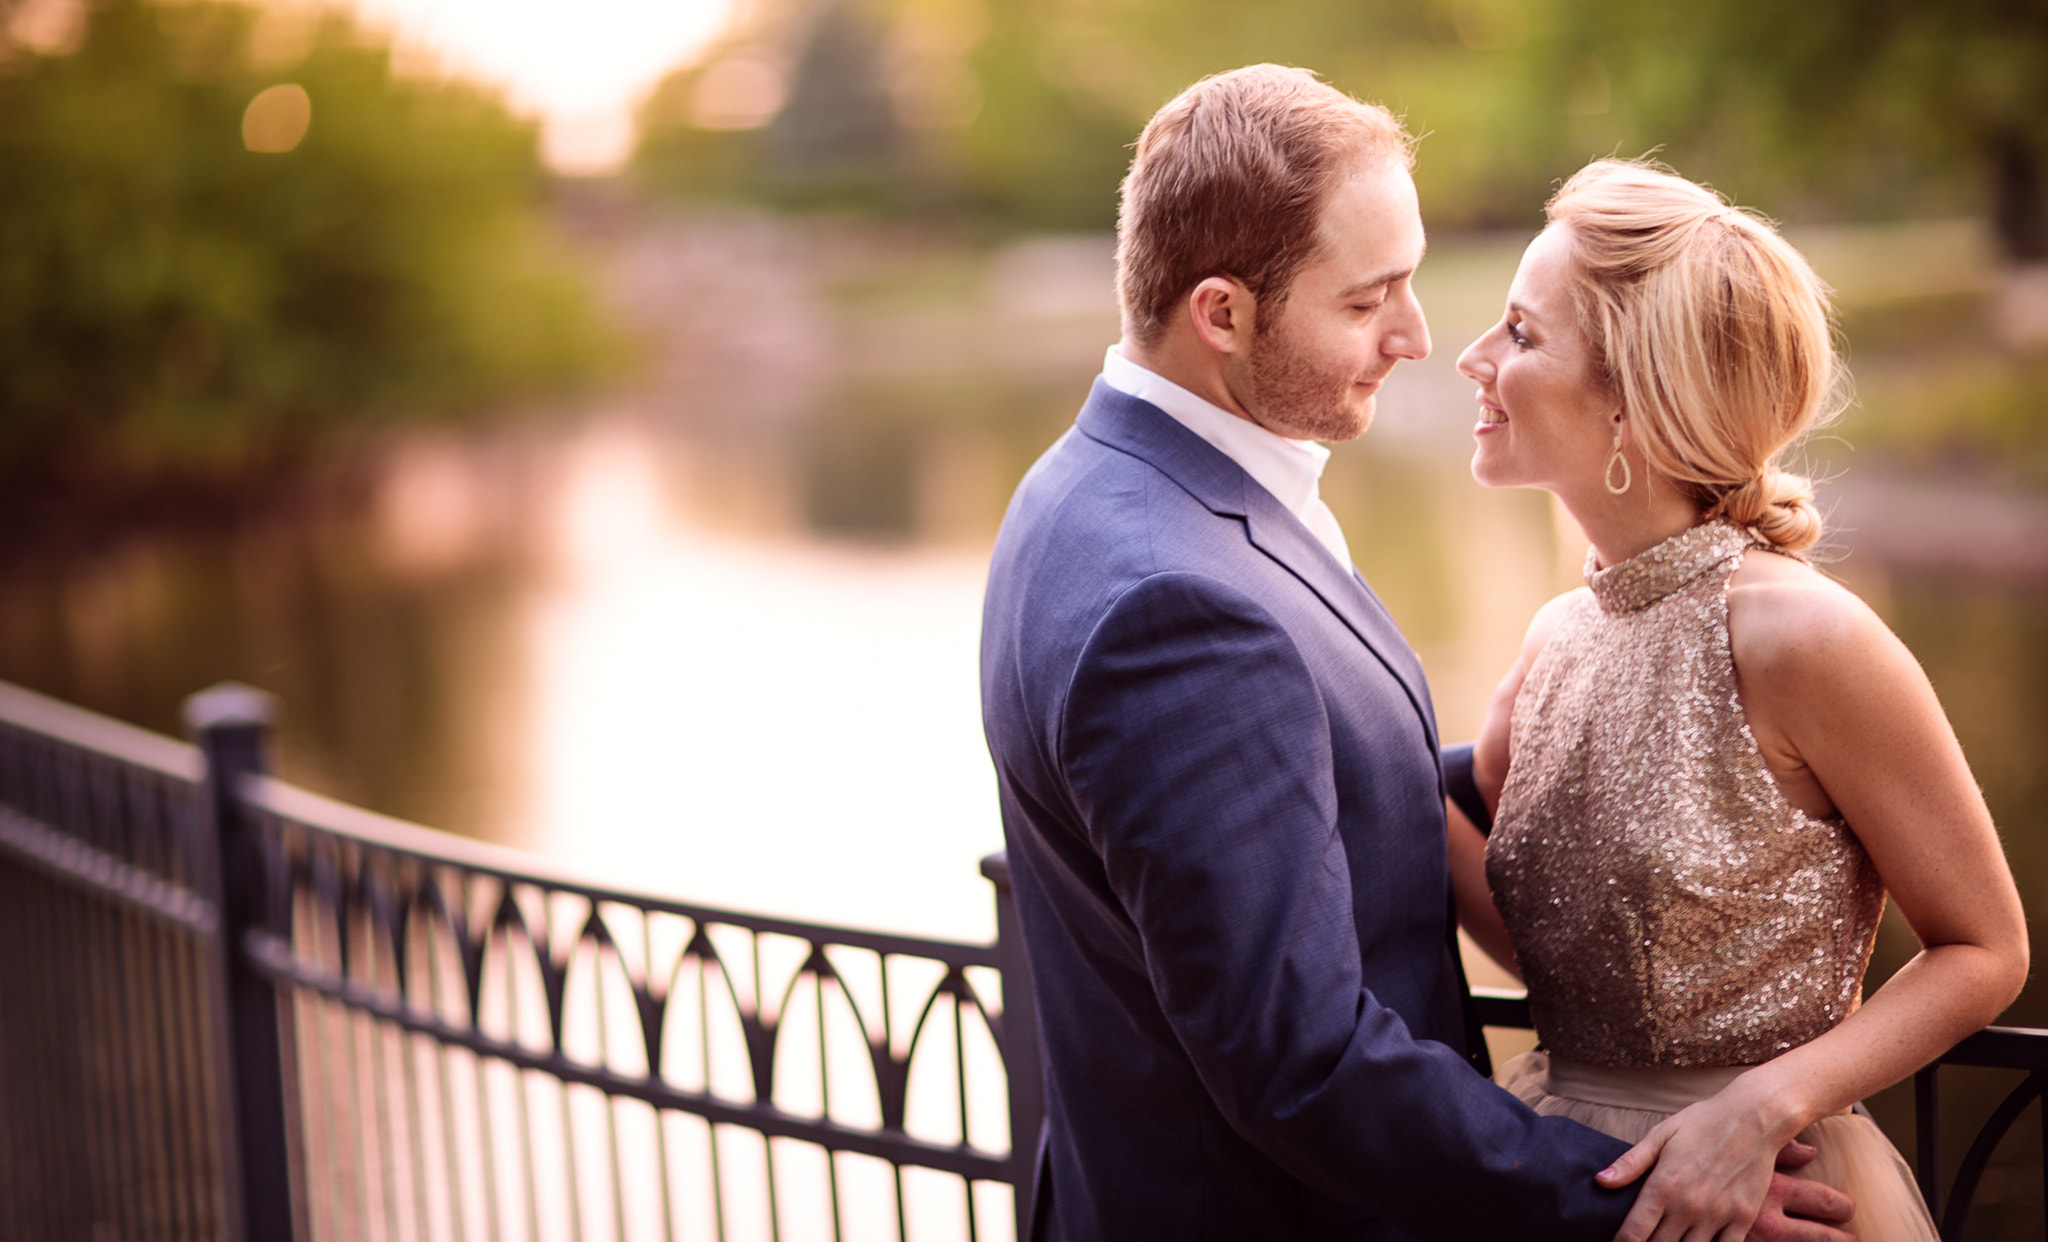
1711,330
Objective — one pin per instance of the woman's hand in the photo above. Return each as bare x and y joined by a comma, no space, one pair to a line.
1710,1167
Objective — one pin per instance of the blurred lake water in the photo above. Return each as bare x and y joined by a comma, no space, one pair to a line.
715,635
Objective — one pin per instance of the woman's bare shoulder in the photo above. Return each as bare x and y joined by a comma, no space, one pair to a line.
1788,621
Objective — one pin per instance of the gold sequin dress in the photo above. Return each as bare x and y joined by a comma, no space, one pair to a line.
1675,918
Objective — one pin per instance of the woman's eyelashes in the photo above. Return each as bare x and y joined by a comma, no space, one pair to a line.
1515,335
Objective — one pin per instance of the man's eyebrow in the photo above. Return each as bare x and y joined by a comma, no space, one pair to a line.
1373,282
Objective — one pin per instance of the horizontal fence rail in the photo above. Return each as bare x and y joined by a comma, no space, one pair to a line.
232,1009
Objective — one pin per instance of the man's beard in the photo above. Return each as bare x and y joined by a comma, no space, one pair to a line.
1296,398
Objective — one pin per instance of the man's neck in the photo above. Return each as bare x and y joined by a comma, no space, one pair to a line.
1193,368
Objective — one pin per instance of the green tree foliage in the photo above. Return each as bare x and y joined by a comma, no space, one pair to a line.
170,298
1861,108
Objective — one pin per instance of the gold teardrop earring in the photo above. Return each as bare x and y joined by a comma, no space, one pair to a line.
1607,475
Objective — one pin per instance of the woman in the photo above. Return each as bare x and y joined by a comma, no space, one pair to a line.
1711,763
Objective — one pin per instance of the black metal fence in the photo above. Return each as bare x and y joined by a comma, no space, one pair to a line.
232,1009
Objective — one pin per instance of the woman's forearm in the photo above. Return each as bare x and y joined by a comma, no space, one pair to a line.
1943,994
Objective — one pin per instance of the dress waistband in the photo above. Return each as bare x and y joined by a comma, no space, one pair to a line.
1662,1089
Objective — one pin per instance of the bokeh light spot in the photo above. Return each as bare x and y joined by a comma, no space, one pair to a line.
739,92
276,120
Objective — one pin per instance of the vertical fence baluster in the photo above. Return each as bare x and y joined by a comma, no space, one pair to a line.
409,1049
767,1144
558,1034
377,969
960,1068
318,1126
1019,1043
430,880
825,1094
178,974
1927,1138
476,1060
704,1053
148,972
519,1084
604,1058
656,1065
902,1216
112,1053
2043,1106
354,957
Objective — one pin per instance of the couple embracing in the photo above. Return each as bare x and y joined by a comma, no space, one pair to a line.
1224,796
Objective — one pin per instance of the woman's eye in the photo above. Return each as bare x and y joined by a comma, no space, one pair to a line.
1367,308
1515,335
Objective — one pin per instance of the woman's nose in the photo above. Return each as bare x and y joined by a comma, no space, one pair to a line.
1474,364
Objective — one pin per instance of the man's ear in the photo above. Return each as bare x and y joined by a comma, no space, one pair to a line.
1221,310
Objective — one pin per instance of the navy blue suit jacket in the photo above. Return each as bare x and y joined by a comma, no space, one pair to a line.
1220,789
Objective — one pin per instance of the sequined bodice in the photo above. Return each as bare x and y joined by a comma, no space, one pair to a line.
1668,906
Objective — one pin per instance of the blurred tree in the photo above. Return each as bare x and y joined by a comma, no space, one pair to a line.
1867,107
195,277
837,134
1864,108
798,106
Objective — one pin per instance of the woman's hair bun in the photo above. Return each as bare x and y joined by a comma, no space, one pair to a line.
1777,505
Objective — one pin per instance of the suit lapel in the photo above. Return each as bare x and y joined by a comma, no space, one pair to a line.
1280,535
1143,430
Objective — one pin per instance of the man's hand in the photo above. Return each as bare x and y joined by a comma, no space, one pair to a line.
1797,1210
1793,1209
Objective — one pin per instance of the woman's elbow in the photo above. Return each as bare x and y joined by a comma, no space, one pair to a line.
2004,961
2016,959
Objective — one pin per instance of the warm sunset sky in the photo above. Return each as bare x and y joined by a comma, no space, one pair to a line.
578,64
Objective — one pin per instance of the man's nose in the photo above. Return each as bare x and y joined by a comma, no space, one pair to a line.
1410,338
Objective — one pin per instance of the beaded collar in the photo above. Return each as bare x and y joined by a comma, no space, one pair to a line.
1678,562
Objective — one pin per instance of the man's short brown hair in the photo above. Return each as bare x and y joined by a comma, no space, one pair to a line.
1230,180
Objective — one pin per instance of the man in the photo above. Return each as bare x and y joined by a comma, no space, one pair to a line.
1216,755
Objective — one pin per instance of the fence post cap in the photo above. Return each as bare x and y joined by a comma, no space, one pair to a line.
228,704
996,868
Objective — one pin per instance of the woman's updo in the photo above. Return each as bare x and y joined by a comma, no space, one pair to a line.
1712,332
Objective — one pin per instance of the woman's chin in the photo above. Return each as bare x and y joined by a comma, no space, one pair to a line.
1487,472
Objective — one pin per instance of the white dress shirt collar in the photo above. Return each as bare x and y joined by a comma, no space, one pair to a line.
1291,470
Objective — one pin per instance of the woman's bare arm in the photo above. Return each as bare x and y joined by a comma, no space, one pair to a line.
1476,911
1848,723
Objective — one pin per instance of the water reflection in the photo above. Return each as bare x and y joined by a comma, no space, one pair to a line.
775,726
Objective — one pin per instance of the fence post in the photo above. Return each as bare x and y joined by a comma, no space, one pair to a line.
1020,1043
232,724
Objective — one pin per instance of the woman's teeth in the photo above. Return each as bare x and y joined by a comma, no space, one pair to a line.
1487,414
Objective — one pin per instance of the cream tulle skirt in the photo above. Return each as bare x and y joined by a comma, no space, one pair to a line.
1855,1156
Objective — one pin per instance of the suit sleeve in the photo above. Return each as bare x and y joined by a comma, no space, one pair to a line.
1196,747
